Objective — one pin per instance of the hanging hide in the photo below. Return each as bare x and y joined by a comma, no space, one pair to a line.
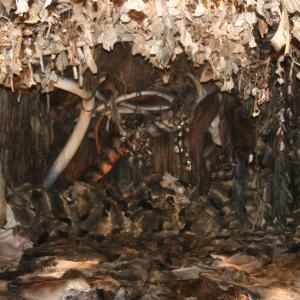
83,159
237,130
235,134
97,155
200,140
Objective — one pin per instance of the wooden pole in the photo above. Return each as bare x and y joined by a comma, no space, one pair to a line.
2,200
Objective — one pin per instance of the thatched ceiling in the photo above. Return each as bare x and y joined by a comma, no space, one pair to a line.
40,38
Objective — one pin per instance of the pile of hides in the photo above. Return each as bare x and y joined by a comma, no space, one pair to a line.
143,242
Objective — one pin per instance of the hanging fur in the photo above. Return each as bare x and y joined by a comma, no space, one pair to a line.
236,135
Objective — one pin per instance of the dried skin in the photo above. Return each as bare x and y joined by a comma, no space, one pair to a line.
204,114
83,159
138,16
236,134
99,155
52,289
118,3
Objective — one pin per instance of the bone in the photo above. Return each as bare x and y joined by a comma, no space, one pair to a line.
134,95
282,35
88,104
198,87
71,87
203,90
145,109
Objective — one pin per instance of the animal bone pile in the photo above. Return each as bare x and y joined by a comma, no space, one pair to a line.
148,242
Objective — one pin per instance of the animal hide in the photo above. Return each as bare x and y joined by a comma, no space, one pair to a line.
236,134
97,155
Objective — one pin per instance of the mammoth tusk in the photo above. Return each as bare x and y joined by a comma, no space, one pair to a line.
65,156
203,90
164,96
88,106
71,87
141,108
134,95
199,88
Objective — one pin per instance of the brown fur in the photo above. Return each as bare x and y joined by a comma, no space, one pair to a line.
236,133
204,114
102,153
83,159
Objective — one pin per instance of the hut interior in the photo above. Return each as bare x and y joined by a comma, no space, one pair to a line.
149,149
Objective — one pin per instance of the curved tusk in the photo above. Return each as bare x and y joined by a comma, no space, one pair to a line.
65,156
71,87
199,88
145,108
134,95
164,96
203,90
